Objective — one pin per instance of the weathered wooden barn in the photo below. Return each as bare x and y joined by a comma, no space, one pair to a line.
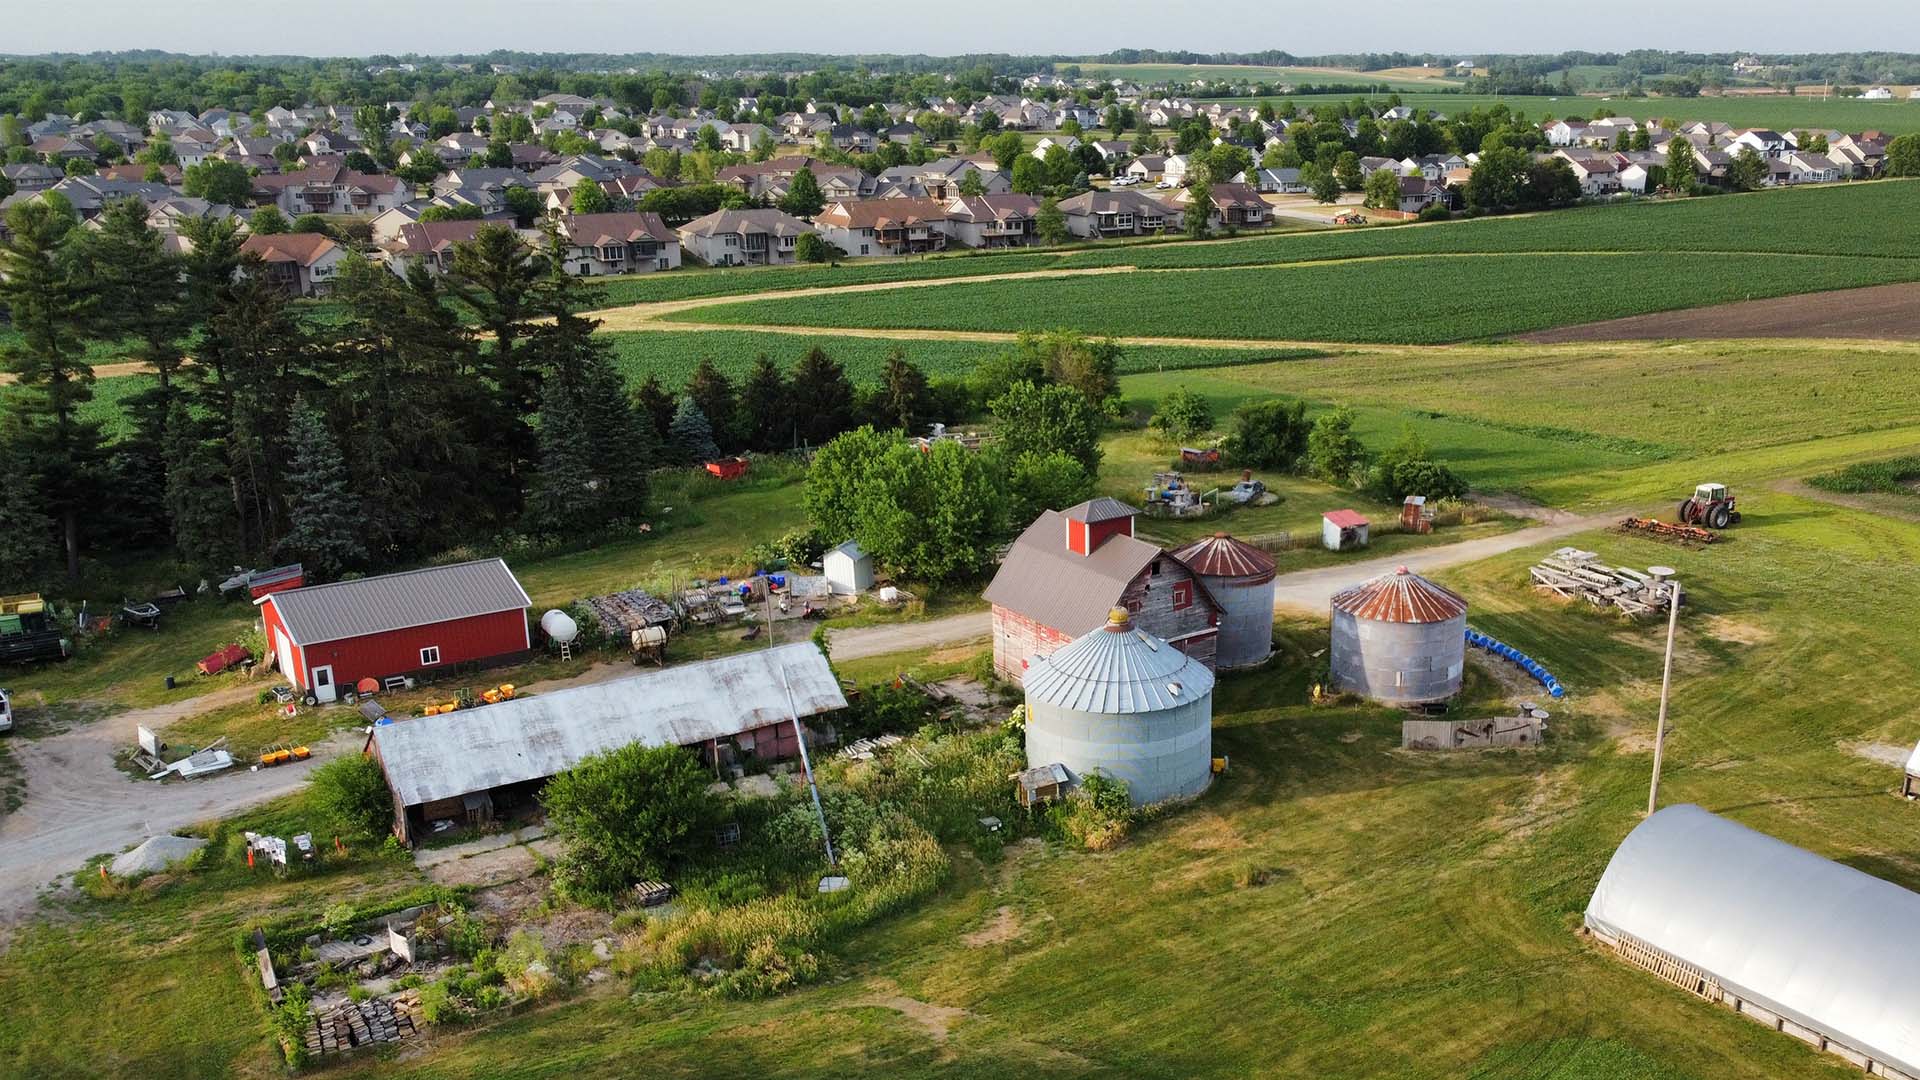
415,622
1071,567
466,766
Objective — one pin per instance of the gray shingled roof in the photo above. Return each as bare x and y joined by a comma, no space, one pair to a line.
375,605
1044,581
1104,508
439,757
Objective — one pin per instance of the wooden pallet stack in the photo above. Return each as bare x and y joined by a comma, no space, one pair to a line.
1577,574
363,1023
622,613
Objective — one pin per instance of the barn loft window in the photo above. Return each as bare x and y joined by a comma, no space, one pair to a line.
1182,595
429,655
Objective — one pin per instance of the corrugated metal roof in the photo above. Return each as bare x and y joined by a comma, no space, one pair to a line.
1402,597
1818,942
1221,556
1044,581
439,757
375,605
1104,508
1117,669
1346,519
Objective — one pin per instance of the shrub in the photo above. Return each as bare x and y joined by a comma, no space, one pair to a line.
1182,415
1270,434
350,794
1333,451
438,1005
1096,816
624,815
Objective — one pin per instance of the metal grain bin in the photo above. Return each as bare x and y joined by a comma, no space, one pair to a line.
1399,639
1240,578
1123,703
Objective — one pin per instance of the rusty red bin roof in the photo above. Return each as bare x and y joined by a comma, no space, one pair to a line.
1222,556
1402,597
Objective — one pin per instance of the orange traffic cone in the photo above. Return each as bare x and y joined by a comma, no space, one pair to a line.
249,858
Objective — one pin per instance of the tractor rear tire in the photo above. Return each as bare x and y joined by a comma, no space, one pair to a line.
1736,517
1684,515
1719,518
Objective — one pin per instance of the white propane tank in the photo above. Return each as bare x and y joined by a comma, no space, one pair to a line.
559,626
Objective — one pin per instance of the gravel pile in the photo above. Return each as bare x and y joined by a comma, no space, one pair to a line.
155,855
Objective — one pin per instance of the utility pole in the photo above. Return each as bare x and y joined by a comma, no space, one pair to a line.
1666,681
806,763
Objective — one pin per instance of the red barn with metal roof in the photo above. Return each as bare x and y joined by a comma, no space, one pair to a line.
413,622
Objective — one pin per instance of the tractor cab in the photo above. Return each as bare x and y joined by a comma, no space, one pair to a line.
1710,493
1712,506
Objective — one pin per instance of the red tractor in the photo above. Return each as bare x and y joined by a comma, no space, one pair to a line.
1712,506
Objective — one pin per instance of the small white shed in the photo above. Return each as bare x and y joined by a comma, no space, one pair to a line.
1910,787
848,569
1343,530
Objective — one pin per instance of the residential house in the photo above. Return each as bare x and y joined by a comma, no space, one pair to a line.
1175,169
870,227
941,178
304,264
428,243
1565,133
851,139
1070,568
331,190
741,138
1877,93
993,221
902,133
1148,167
1606,131
1047,142
1273,181
617,243
1767,143
1370,165
32,176
1598,173
89,195
1112,149
769,179
743,237
1806,167
134,170
1096,214
60,149
1235,206
1417,193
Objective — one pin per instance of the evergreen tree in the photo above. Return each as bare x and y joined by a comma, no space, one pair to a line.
714,394
903,393
1050,224
766,422
495,275
820,396
1198,209
197,508
323,529
690,437
803,197
655,405
26,542
47,300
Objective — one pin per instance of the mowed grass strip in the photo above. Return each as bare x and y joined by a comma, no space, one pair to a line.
1422,300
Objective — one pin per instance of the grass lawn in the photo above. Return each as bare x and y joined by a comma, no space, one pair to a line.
1405,894
1412,300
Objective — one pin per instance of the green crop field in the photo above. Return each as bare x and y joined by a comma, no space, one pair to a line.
1413,300
1778,112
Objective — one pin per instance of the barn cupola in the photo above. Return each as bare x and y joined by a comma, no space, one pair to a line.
1096,521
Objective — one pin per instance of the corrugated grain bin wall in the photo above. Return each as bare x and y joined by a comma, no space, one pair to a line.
1399,639
1240,578
1124,704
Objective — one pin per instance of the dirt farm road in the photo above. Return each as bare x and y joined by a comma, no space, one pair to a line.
79,805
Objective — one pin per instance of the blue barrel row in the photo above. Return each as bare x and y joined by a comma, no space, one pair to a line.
1526,663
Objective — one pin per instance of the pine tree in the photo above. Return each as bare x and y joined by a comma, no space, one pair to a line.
1198,209
495,275
690,436
322,532
903,393
197,508
655,405
51,309
820,396
766,422
26,543
713,392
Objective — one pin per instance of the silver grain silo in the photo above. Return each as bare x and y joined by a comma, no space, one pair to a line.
1123,703
1400,639
1240,578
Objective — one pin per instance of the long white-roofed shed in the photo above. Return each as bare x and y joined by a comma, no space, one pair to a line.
438,765
1802,944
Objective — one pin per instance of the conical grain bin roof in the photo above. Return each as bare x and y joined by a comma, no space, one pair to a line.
1117,670
1401,597
1221,556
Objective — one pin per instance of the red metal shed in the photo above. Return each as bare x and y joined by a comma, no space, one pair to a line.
417,621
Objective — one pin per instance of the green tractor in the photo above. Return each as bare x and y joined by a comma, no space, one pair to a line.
1712,505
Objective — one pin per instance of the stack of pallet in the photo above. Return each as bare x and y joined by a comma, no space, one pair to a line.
621,613
359,1024
1573,573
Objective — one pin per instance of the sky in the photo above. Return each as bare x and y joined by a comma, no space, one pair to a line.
1071,27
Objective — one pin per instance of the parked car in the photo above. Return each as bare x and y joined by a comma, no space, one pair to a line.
1125,180
6,712
1164,185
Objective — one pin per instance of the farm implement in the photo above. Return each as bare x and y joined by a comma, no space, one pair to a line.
1667,530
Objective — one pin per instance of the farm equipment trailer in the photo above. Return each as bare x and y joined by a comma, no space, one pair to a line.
28,632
